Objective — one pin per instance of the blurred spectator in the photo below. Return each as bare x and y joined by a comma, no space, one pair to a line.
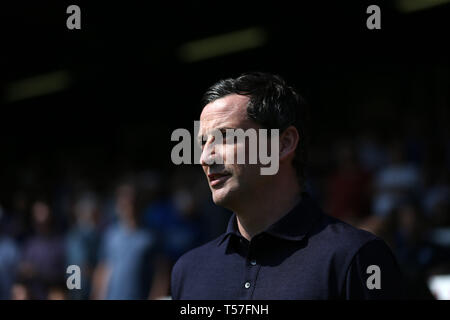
9,258
125,268
394,181
178,220
371,153
57,292
407,230
178,217
407,237
42,262
348,195
437,200
20,290
16,222
82,242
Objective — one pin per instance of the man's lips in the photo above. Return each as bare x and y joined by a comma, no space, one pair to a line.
217,178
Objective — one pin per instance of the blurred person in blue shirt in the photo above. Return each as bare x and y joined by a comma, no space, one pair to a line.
126,260
178,219
82,242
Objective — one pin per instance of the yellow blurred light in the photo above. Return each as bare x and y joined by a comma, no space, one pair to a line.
416,5
37,86
222,44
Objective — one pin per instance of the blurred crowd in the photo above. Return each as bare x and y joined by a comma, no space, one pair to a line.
126,238
125,241
397,188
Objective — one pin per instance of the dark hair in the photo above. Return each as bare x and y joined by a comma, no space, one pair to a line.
273,105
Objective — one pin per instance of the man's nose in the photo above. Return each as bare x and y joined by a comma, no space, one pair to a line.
208,154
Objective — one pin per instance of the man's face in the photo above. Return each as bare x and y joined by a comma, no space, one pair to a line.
230,183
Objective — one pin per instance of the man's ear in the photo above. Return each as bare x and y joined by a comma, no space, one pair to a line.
288,142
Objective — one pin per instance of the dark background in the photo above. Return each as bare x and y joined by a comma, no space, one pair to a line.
128,88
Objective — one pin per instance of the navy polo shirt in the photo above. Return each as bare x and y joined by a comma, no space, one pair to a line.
304,255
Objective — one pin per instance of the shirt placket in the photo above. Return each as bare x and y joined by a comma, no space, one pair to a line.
252,268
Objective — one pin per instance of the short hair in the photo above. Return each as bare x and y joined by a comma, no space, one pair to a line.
273,105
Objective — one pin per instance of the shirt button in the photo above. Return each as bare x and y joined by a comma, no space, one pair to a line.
253,263
247,285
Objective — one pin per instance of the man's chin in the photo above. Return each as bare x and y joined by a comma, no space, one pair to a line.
218,198
221,197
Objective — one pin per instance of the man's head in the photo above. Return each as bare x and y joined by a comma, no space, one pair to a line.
251,101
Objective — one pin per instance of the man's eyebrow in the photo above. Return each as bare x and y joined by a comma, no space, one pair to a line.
221,129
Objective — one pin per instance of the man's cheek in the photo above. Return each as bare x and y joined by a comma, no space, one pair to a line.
240,154
221,153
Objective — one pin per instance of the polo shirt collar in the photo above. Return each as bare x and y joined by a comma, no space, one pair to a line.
293,226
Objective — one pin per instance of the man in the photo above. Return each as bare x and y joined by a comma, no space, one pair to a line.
278,244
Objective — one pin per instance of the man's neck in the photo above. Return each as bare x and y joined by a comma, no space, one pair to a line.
266,209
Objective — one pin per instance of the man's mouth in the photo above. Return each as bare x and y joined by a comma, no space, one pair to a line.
218,178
